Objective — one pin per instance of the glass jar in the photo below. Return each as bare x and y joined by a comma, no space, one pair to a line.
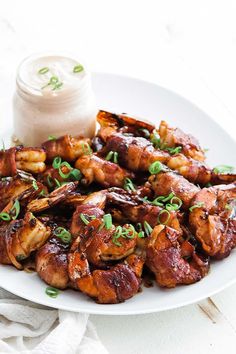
53,97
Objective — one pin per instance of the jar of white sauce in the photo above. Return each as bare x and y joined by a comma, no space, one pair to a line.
53,97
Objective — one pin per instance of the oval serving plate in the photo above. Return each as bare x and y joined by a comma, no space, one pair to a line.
145,100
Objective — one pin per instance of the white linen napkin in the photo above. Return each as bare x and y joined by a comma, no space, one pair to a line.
26,327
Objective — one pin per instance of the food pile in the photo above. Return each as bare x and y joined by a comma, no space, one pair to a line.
100,215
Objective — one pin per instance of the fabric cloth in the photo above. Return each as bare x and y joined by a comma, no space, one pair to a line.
26,327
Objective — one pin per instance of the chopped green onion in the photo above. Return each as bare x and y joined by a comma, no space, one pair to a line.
168,197
84,219
109,155
145,133
5,216
155,139
141,234
63,234
175,150
197,205
54,80
223,169
163,212
176,201
35,186
128,185
147,227
58,184
76,174
42,193
52,137
43,70
208,185
78,68
171,207
49,181
56,162
86,149
15,210
107,219
52,292
64,175
126,231
155,167
112,156
123,232
57,86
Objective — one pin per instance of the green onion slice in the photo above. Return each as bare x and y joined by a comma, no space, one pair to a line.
174,150
197,205
58,184
43,70
147,227
56,162
49,181
145,133
86,149
5,216
15,210
35,186
84,219
107,219
155,139
76,174
223,169
52,137
64,175
63,234
52,292
128,185
160,216
78,68
155,167
109,155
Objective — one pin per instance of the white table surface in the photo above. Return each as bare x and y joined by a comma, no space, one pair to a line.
187,46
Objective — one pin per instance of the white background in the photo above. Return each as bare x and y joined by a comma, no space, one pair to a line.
187,46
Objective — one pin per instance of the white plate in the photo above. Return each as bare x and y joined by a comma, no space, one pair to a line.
122,94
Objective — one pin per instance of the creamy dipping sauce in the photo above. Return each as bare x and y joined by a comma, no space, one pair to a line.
53,97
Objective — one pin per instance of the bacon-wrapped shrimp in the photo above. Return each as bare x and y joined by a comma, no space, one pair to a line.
67,147
26,159
175,137
111,123
21,237
113,285
97,169
213,219
167,259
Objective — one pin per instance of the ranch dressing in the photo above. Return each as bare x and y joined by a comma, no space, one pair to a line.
53,97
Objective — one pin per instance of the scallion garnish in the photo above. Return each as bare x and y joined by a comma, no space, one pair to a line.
174,150
112,156
52,292
15,210
155,139
43,70
52,137
147,227
58,184
67,165
35,186
49,181
86,149
223,169
76,174
160,216
208,185
128,185
5,216
107,219
155,167
125,232
54,83
63,234
56,162
78,68
84,219
197,205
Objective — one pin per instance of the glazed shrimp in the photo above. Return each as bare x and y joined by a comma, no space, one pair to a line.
114,285
175,137
213,219
111,123
67,147
166,258
20,238
97,169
